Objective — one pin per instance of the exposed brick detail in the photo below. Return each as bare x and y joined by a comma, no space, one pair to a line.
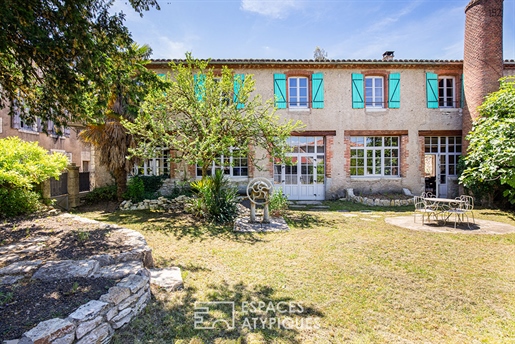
483,56
173,165
404,153
192,171
250,162
329,154
346,153
422,154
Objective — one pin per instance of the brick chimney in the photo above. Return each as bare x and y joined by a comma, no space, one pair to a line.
483,56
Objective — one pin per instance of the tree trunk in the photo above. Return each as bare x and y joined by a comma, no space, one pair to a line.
120,178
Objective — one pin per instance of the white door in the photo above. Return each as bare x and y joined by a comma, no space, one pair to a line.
304,178
435,173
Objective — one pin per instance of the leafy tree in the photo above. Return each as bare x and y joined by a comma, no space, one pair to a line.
22,166
129,82
203,115
489,165
54,55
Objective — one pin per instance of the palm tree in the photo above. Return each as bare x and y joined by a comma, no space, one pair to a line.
130,81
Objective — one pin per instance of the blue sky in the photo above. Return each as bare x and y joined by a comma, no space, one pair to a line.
292,29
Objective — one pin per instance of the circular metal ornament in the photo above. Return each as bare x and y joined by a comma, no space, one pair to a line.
259,190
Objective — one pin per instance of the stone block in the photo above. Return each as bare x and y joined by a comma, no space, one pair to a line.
122,318
133,282
47,331
87,326
10,279
131,300
142,302
111,313
101,334
68,339
56,270
103,259
119,270
90,310
168,278
116,295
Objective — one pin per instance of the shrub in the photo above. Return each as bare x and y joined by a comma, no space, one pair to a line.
135,190
22,166
216,199
278,203
101,194
18,201
180,188
152,183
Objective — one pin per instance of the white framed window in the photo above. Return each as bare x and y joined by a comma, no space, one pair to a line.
298,92
160,165
446,92
374,156
234,165
374,92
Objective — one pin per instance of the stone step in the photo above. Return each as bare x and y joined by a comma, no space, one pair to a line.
167,278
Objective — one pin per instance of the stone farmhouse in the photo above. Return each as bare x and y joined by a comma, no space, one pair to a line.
372,125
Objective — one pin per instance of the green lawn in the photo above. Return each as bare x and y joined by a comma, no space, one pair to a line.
359,278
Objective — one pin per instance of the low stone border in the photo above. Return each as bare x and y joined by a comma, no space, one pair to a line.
380,202
161,203
97,320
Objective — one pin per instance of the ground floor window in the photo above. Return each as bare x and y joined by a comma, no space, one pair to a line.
234,165
374,156
160,165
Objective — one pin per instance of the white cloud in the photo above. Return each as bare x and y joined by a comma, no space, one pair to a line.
165,48
276,9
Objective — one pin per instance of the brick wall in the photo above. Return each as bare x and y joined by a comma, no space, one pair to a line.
483,56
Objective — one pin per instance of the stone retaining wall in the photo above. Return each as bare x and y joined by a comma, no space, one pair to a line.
377,202
161,203
97,320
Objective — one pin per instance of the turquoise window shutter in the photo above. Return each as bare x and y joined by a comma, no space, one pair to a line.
394,91
280,90
199,86
462,95
432,90
317,90
358,101
239,79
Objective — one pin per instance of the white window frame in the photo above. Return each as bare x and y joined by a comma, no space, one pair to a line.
228,165
446,146
377,152
376,98
295,102
443,102
157,166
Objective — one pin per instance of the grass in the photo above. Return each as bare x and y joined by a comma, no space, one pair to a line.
361,279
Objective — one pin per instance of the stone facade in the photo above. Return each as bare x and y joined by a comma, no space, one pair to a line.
415,122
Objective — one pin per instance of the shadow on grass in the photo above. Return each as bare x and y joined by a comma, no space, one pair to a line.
234,313
496,212
180,225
